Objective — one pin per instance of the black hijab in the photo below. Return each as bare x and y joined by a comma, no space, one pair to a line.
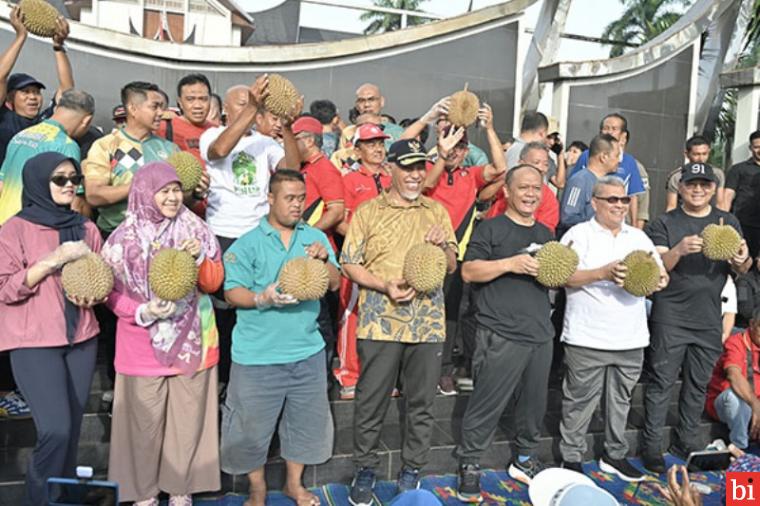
37,206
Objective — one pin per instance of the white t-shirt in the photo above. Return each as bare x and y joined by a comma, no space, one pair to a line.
602,315
237,197
728,297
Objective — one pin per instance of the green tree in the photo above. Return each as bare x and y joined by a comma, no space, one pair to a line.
385,22
642,21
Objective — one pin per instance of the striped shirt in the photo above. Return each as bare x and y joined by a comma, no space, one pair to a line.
576,200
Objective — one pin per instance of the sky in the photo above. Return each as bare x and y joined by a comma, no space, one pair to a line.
579,21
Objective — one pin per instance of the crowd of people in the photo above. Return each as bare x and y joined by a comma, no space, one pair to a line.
356,195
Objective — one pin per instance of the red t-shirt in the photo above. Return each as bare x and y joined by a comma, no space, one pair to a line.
362,185
188,137
734,354
457,191
547,212
324,184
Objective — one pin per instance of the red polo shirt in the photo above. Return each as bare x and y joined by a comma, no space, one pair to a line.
324,184
734,354
457,191
547,212
362,185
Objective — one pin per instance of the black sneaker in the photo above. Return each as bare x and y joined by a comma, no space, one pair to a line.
573,466
620,467
525,471
653,462
679,451
362,486
468,485
408,479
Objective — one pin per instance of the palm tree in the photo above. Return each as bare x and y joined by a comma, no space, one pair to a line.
385,22
642,21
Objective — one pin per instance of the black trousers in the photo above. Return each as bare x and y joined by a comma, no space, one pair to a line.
225,322
452,293
673,348
419,365
502,368
56,383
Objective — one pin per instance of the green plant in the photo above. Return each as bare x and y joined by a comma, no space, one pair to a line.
386,22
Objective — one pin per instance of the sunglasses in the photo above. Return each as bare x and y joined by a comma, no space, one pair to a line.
61,181
615,200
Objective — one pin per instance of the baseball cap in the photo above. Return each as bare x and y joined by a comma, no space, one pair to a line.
463,140
119,112
692,171
20,80
307,124
368,132
563,487
406,152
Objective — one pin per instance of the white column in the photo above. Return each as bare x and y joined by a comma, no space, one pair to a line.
747,110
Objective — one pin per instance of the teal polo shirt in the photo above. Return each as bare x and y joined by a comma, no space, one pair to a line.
274,335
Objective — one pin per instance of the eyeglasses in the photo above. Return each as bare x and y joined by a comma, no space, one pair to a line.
61,181
615,200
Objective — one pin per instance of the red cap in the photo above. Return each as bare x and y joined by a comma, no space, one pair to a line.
307,124
369,131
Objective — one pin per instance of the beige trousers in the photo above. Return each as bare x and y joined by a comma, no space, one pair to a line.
164,435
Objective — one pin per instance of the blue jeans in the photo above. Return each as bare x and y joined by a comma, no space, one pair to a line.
735,413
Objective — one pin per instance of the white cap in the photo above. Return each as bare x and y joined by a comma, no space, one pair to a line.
563,487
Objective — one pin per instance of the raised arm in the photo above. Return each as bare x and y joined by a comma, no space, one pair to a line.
498,165
9,57
228,139
445,144
439,109
62,63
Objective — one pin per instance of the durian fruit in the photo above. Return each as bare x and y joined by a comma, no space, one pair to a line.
88,277
463,108
172,274
425,267
282,97
556,263
304,278
643,274
39,17
188,168
721,242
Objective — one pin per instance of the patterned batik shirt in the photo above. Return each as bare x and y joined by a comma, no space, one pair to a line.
378,238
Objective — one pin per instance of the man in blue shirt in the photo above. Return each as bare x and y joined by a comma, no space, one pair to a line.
277,351
617,126
576,200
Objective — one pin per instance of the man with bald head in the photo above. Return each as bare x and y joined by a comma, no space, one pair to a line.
369,100
239,162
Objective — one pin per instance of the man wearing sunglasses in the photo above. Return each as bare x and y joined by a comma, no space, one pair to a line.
686,322
599,361
70,121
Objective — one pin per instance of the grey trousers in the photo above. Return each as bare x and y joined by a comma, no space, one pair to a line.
591,373
502,368
673,348
420,368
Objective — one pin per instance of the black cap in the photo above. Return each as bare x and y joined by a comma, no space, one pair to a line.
692,171
19,80
406,152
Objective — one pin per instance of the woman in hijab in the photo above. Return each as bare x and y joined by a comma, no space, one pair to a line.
50,337
164,434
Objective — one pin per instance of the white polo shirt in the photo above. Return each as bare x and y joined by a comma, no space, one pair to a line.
601,315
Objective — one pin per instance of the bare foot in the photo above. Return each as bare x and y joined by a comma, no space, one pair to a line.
301,496
256,498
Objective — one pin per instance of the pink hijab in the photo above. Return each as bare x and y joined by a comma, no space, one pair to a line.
130,248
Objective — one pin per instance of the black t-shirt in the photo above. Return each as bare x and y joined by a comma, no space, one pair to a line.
692,298
11,124
514,306
744,179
